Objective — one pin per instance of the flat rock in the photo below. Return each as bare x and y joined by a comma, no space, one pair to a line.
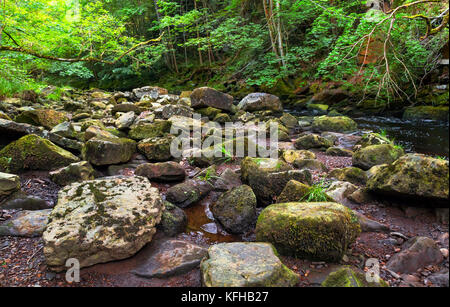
26,224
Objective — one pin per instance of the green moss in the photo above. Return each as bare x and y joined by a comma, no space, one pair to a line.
347,277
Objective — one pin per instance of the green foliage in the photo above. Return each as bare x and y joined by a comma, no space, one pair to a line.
316,193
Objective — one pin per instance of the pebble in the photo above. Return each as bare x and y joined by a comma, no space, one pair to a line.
444,252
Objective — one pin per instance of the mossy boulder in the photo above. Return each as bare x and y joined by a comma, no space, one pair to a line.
209,112
310,164
106,151
291,155
316,231
242,264
369,139
289,121
144,130
348,277
339,152
319,109
369,156
208,97
439,113
163,172
173,220
42,117
413,176
353,175
189,192
9,184
260,102
311,141
334,124
236,209
156,149
32,152
79,171
293,191
267,165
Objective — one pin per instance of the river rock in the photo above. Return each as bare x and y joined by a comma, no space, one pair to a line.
245,265
349,277
165,172
340,190
227,181
207,97
65,129
369,139
23,201
25,224
353,175
188,192
32,152
417,253
334,124
156,149
310,141
42,117
316,231
414,176
293,191
310,164
370,156
102,220
173,220
439,113
105,151
144,130
79,171
168,258
291,155
9,184
259,102
236,209
152,92
125,120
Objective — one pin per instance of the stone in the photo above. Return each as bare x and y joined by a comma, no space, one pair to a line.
227,181
165,172
74,172
207,97
102,220
334,124
259,102
340,190
23,201
413,176
439,279
95,131
125,120
153,92
350,278
438,113
291,155
143,130
25,224
65,129
317,109
293,191
188,192
417,253
169,258
289,121
312,141
351,174
315,231
236,209
156,149
245,265
32,152
173,220
369,139
310,164
106,151
42,117
339,152
369,156
361,196
125,108
9,184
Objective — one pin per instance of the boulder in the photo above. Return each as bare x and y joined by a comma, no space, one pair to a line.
32,152
369,139
291,155
173,220
25,224
125,108
9,184
316,231
310,141
95,131
125,120
334,124
42,117
245,265
168,258
152,92
156,149
65,129
260,102
207,97
351,174
370,156
165,172
188,192
144,130
340,190
79,171
310,164
236,209
227,181
293,191
348,277
414,176
102,220
438,113
339,152
417,253
105,151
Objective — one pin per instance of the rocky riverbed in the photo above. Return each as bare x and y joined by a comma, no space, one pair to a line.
93,178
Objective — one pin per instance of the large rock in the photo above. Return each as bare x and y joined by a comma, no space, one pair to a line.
143,130
156,149
372,139
414,176
79,171
9,184
340,190
417,253
106,151
25,224
165,172
350,278
370,156
32,152
169,258
227,181
312,141
188,192
207,97
293,191
236,209
316,231
351,174
334,124
152,92
245,265
102,220
173,220
42,117
259,102
291,155
439,113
